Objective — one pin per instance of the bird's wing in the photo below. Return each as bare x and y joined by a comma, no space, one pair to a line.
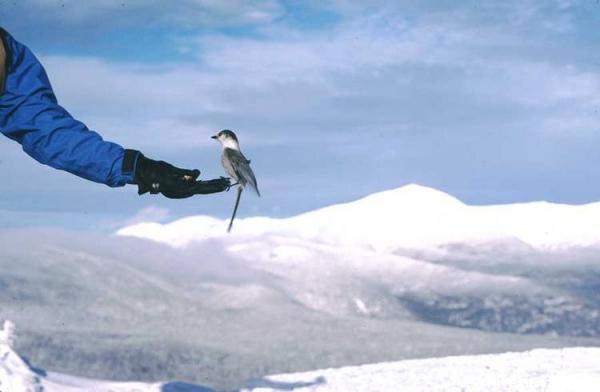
241,167
228,166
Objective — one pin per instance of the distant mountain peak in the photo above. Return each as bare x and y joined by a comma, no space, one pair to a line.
414,194
7,334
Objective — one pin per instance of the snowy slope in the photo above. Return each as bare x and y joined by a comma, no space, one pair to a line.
238,306
572,369
418,253
387,277
576,369
16,375
412,217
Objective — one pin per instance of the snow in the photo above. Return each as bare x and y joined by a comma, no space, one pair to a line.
16,375
571,369
419,253
574,369
413,217
362,260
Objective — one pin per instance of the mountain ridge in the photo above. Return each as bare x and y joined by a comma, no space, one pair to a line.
411,216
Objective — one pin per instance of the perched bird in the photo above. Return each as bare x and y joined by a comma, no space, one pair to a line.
236,165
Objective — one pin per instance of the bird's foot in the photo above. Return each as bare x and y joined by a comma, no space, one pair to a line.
232,185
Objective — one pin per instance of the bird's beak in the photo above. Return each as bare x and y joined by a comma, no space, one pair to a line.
214,137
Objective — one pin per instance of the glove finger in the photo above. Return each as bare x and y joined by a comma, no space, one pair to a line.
179,187
142,189
182,184
211,186
179,193
194,174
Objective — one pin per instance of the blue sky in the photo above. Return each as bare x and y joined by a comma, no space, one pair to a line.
492,102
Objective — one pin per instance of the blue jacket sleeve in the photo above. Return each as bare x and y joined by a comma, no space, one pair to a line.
31,115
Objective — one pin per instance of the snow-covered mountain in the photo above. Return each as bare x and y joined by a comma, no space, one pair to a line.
412,216
408,273
416,252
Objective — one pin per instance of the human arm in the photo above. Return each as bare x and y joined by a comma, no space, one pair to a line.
30,115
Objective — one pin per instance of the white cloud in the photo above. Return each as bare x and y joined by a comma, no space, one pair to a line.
150,214
283,80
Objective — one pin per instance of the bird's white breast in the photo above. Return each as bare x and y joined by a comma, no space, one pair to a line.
230,143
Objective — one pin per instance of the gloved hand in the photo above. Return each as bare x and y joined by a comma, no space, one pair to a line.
175,183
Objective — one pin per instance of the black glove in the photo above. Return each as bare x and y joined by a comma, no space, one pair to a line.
173,182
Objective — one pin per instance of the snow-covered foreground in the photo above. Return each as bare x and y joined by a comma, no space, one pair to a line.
16,375
571,369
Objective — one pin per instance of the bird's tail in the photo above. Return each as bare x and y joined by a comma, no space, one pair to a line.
251,183
254,187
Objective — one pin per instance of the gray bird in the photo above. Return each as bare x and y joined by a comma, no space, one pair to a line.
236,165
